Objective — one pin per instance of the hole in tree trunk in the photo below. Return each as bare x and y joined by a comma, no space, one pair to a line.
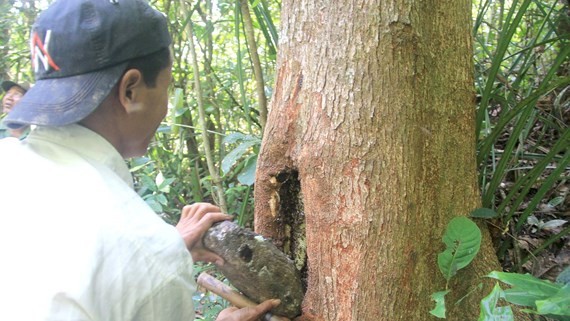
292,215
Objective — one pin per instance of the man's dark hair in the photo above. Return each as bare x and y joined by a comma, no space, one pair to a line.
151,65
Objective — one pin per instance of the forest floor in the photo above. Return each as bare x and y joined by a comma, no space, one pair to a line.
549,222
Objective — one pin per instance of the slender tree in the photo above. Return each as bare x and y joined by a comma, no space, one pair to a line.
369,151
255,61
218,191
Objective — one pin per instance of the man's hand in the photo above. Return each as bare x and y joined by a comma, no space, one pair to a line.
195,220
254,313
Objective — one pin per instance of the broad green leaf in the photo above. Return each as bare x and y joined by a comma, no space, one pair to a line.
232,138
159,179
484,213
161,199
525,289
148,183
559,304
162,183
165,185
463,239
233,156
139,162
489,309
247,176
439,298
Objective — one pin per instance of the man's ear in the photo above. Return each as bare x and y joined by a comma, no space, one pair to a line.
130,86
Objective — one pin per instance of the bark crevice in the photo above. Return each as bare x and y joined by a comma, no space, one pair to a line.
291,218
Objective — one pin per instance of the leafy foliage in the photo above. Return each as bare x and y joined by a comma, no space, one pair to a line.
544,297
541,296
523,78
490,311
463,239
247,167
525,289
439,298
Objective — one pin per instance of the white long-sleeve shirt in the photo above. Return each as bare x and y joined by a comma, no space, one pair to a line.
77,243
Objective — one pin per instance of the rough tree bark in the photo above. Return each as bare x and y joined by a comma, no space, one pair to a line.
368,153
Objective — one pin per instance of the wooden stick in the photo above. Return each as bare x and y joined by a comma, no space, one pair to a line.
223,290
234,297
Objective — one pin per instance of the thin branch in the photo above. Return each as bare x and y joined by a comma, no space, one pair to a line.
248,25
216,181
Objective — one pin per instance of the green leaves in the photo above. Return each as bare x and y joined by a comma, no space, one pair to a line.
463,239
511,120
525,288
153,191
247,175
489,309
439,298
550,299
233,156
245,143
558,304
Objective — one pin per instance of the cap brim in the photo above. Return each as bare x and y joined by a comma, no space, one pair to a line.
63,101
6,85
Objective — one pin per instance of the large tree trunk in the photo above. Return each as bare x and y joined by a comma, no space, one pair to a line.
368,153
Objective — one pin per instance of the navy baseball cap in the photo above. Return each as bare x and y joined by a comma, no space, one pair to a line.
7,85
79,50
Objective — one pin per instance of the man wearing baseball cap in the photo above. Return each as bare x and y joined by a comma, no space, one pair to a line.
13,92
78,243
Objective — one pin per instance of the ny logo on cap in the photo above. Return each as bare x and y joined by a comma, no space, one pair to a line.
40,52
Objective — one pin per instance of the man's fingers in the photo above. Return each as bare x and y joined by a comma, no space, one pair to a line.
195,220
258,311
202,223
199,209
203,213
213,217
251,313
268,305
204,218
226,313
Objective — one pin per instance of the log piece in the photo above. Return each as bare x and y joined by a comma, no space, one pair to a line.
256,267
